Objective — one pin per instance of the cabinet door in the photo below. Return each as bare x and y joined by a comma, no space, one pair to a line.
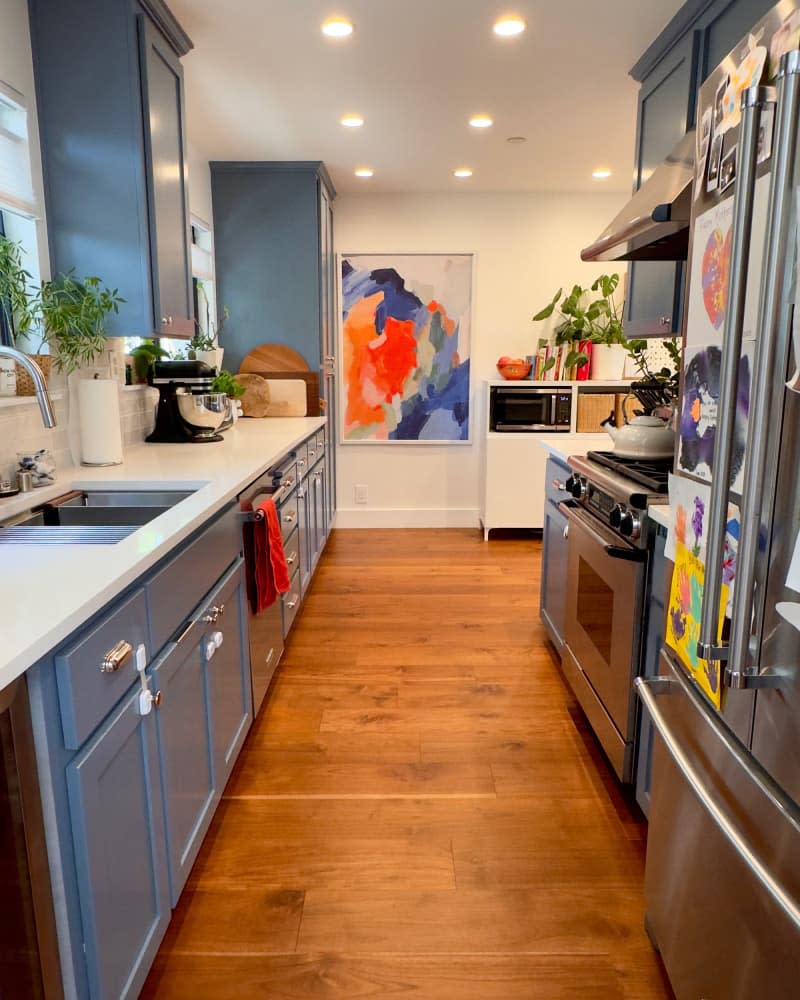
118,836
184,743
317,502
304,517
168,207
729,23
666,110
230,700
553,587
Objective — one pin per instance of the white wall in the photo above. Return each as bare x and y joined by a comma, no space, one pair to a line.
526,246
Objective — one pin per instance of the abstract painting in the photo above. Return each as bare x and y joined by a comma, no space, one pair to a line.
406,325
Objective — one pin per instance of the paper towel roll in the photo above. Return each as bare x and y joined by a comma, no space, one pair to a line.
100,432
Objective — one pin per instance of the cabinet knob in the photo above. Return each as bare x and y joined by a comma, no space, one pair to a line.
288,518
291,560
293,603
558,485
565,532
166,321
116,657
311,453
288,481
214,614
330,359
157,699
666,321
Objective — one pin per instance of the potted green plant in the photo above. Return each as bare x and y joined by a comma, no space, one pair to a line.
73,315
228,383
144,356
19,304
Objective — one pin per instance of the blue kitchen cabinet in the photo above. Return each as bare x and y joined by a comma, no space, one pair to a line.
230,700
184,745
666,109
317,511
117,827
670,72
127,796
109,93
555,533
660,575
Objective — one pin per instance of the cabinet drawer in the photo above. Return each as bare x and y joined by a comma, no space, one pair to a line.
291,546
314,451
556,473
291,603
88,687
301,458
288,514
286,474
176,590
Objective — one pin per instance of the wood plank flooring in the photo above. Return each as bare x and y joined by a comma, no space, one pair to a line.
421,809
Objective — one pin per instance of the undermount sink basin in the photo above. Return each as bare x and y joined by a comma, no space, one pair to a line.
89,517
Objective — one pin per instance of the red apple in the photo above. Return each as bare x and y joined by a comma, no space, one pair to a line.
505,360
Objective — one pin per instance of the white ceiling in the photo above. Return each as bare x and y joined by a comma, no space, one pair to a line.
263,83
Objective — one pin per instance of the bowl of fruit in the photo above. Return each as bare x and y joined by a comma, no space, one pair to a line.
513,368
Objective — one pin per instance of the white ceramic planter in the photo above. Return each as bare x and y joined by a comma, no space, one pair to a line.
608,362
212,358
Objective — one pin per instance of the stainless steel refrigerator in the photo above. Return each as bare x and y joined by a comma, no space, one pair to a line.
722,879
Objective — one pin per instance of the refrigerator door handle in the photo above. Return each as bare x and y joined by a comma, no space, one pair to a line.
753,101
771,357
649,698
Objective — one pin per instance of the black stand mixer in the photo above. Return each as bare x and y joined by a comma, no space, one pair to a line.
187,409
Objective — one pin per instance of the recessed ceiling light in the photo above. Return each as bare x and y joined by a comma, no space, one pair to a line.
481,121
364,171
509,26
601,174
337,27
516,140
462,172
351,121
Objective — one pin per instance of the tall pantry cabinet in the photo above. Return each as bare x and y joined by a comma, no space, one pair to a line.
276,269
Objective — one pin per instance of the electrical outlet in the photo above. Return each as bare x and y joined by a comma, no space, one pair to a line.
361,493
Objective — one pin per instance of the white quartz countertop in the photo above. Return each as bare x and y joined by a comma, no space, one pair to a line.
47,591
661,513
564,445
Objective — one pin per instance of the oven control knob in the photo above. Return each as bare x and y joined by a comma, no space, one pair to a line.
579,488
630,525
616,515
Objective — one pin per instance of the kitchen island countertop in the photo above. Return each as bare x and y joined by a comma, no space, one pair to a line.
561,446
47,591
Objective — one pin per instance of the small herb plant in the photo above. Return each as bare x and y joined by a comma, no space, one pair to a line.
73,316
145,356
227,383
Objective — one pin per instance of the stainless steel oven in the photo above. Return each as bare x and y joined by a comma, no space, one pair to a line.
608,557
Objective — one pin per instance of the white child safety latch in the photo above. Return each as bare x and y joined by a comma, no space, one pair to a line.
145,695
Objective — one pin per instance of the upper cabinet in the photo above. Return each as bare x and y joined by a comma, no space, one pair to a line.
109,88
671,71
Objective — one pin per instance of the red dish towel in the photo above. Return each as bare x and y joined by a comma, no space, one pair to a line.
271,572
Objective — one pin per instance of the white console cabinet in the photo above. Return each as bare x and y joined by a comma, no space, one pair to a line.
513,464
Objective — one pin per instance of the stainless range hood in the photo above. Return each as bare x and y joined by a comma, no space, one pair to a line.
654,225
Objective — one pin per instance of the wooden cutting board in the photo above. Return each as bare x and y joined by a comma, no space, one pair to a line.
273,358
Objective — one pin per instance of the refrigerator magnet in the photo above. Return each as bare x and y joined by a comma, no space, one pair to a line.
714,156
727,170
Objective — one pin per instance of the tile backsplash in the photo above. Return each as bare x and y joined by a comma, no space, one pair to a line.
21,427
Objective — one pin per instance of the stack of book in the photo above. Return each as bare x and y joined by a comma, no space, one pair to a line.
550,362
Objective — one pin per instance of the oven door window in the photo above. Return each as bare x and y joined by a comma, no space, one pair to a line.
595,609
603,615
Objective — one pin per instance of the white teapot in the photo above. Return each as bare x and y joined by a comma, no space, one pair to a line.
642,437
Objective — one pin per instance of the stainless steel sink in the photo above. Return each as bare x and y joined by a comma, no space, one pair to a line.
89,517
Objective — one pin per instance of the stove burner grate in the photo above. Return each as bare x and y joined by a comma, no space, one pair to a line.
652,473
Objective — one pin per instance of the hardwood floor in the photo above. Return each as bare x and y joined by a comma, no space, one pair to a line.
420,808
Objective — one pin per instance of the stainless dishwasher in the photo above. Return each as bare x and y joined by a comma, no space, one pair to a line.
266,628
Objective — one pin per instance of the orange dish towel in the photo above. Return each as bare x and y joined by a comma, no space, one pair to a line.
271,569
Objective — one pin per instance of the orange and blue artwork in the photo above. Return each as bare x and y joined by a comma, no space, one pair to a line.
406,347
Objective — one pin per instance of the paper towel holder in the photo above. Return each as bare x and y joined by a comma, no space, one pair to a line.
118,444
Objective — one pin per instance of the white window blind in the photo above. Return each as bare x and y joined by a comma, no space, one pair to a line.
16,186
202,249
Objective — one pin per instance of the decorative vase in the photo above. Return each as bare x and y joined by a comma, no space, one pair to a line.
608,362
25,386
212,358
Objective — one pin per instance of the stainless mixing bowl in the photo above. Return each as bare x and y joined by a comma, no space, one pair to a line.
204,413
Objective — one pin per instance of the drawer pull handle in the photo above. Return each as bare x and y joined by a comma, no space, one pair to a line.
287,482
291,560
290,516
158,697
116,657
558,485
214,614
293,603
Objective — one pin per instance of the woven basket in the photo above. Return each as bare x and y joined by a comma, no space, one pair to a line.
25,386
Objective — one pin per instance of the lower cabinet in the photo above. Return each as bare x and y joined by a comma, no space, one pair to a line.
660,575
553,585
126,810
119,843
